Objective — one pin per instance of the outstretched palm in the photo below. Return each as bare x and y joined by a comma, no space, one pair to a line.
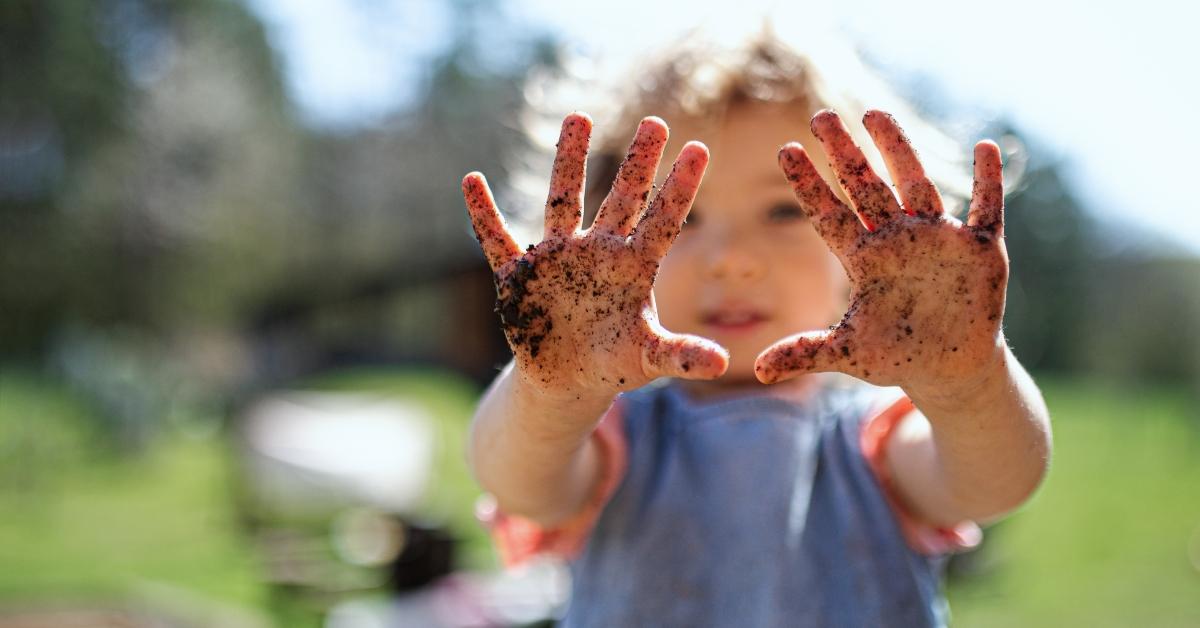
927,292
577,307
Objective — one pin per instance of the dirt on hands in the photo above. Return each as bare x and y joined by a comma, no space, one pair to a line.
576,308
927,292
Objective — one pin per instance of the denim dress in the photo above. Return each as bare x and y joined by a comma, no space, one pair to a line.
753,511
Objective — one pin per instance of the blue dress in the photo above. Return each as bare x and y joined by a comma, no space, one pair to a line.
753,511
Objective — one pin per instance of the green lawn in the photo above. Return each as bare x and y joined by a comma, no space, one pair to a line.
1104,543
83,522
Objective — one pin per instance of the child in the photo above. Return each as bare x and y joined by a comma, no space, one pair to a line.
721,473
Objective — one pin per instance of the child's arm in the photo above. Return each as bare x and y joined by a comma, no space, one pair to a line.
973,454
532,451
579,317
925,311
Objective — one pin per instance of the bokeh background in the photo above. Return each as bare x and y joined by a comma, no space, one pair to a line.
243,321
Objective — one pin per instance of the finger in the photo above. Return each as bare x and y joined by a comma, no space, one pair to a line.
918,194
987,194
659,226
809,352
835,222
623,205
871,197
564,205
497,244
666,354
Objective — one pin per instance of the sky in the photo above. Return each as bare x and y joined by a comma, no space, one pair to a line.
1109,86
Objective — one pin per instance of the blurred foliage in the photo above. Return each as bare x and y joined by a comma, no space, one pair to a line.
129,135
1087,295
153,174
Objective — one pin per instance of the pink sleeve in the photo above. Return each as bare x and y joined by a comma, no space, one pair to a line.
922,537
518,539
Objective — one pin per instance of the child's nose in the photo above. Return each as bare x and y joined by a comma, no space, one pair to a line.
734,259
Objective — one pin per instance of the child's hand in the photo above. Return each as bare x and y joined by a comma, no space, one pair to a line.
577,308
927,291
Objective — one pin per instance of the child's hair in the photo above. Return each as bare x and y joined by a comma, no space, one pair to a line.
697,80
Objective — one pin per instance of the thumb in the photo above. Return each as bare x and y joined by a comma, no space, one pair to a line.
665,354
809,352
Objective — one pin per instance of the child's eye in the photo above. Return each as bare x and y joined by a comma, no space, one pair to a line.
786,212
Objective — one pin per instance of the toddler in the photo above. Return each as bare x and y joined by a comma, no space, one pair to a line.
785,410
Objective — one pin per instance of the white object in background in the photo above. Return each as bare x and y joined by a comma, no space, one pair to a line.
313,450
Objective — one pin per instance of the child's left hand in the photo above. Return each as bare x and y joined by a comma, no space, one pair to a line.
927,292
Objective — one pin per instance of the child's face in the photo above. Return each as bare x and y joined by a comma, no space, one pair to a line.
748,268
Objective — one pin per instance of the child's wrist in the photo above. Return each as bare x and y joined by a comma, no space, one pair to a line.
577,407
560,393
973,389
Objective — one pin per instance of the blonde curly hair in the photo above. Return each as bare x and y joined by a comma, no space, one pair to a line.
697,79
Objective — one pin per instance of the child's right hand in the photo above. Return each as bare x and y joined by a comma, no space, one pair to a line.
577,308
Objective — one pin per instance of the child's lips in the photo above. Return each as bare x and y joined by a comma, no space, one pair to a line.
734,321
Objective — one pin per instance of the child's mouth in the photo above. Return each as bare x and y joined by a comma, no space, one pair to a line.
734,321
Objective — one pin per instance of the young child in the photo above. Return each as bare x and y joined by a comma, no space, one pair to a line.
672,423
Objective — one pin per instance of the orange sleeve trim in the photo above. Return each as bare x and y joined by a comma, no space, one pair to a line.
922,537
518,539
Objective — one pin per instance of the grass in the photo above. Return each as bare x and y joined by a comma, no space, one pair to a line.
84,522
1103,543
